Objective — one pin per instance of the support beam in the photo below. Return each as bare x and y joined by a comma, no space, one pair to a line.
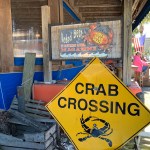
61,11
28,20
57,17
100,14
92,3
100,9
70,5
134,6
139,8
127,41
28,16
56,11
51,14
141,14
100,6
6,46
100,18
27,11
47,65
30,1
27,4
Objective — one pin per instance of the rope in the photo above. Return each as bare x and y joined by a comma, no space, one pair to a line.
2,96
26,81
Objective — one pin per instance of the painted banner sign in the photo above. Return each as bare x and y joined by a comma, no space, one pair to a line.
102,40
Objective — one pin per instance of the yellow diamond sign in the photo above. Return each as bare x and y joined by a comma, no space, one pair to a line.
97,111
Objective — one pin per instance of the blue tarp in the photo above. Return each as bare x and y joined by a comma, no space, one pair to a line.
8,86
19,61
10,81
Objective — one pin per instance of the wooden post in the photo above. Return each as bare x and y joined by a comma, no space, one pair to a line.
6,46
127,42
28,74
61,12
21,99
47,64
56,11
54,15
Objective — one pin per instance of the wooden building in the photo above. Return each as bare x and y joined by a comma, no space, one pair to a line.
24,28
22,18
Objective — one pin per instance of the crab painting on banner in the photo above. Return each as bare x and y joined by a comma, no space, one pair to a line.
76,41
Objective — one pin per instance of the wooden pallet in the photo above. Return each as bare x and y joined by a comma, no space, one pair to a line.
30,141
33,108
33,127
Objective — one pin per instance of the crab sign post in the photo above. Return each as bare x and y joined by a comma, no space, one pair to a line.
97,111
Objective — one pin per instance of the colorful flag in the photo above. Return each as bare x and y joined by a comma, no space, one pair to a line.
139,43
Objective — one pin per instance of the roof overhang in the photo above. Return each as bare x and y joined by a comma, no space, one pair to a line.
141,15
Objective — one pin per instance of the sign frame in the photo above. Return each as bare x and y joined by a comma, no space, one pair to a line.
86,46
124,87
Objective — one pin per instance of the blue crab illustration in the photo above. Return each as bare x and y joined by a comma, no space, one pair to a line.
95,131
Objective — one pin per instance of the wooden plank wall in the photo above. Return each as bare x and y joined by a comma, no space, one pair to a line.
6,46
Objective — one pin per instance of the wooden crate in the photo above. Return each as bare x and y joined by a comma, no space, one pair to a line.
30,141
34,129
